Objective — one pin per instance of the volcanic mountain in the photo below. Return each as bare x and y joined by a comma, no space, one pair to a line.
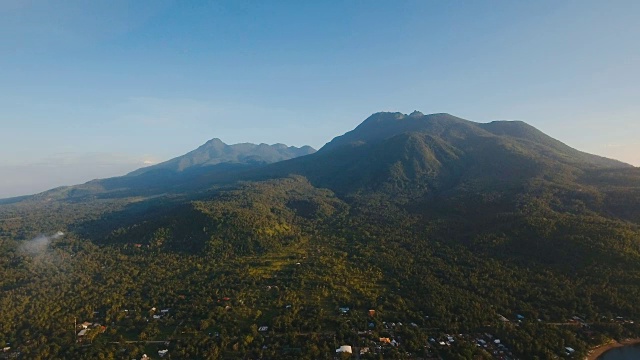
408,155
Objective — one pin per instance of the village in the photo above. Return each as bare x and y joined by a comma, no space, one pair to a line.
375,338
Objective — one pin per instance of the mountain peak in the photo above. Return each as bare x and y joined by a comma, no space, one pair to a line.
383,125
215,141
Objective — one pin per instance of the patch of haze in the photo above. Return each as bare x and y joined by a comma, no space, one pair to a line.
39,245
64,169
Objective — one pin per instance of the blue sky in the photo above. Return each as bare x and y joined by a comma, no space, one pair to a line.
93,89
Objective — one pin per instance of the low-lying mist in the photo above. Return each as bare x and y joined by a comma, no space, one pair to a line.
39,244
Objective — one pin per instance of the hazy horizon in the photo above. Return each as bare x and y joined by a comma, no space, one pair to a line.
102,88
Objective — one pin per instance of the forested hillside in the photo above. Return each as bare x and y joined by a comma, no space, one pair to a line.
434,237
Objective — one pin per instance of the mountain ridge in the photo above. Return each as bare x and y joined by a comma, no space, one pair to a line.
215,151
466,148
181,174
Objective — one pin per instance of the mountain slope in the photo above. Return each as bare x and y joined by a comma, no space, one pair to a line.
524,131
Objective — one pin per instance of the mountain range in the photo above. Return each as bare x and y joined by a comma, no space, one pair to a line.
185,173
447,224
386,151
